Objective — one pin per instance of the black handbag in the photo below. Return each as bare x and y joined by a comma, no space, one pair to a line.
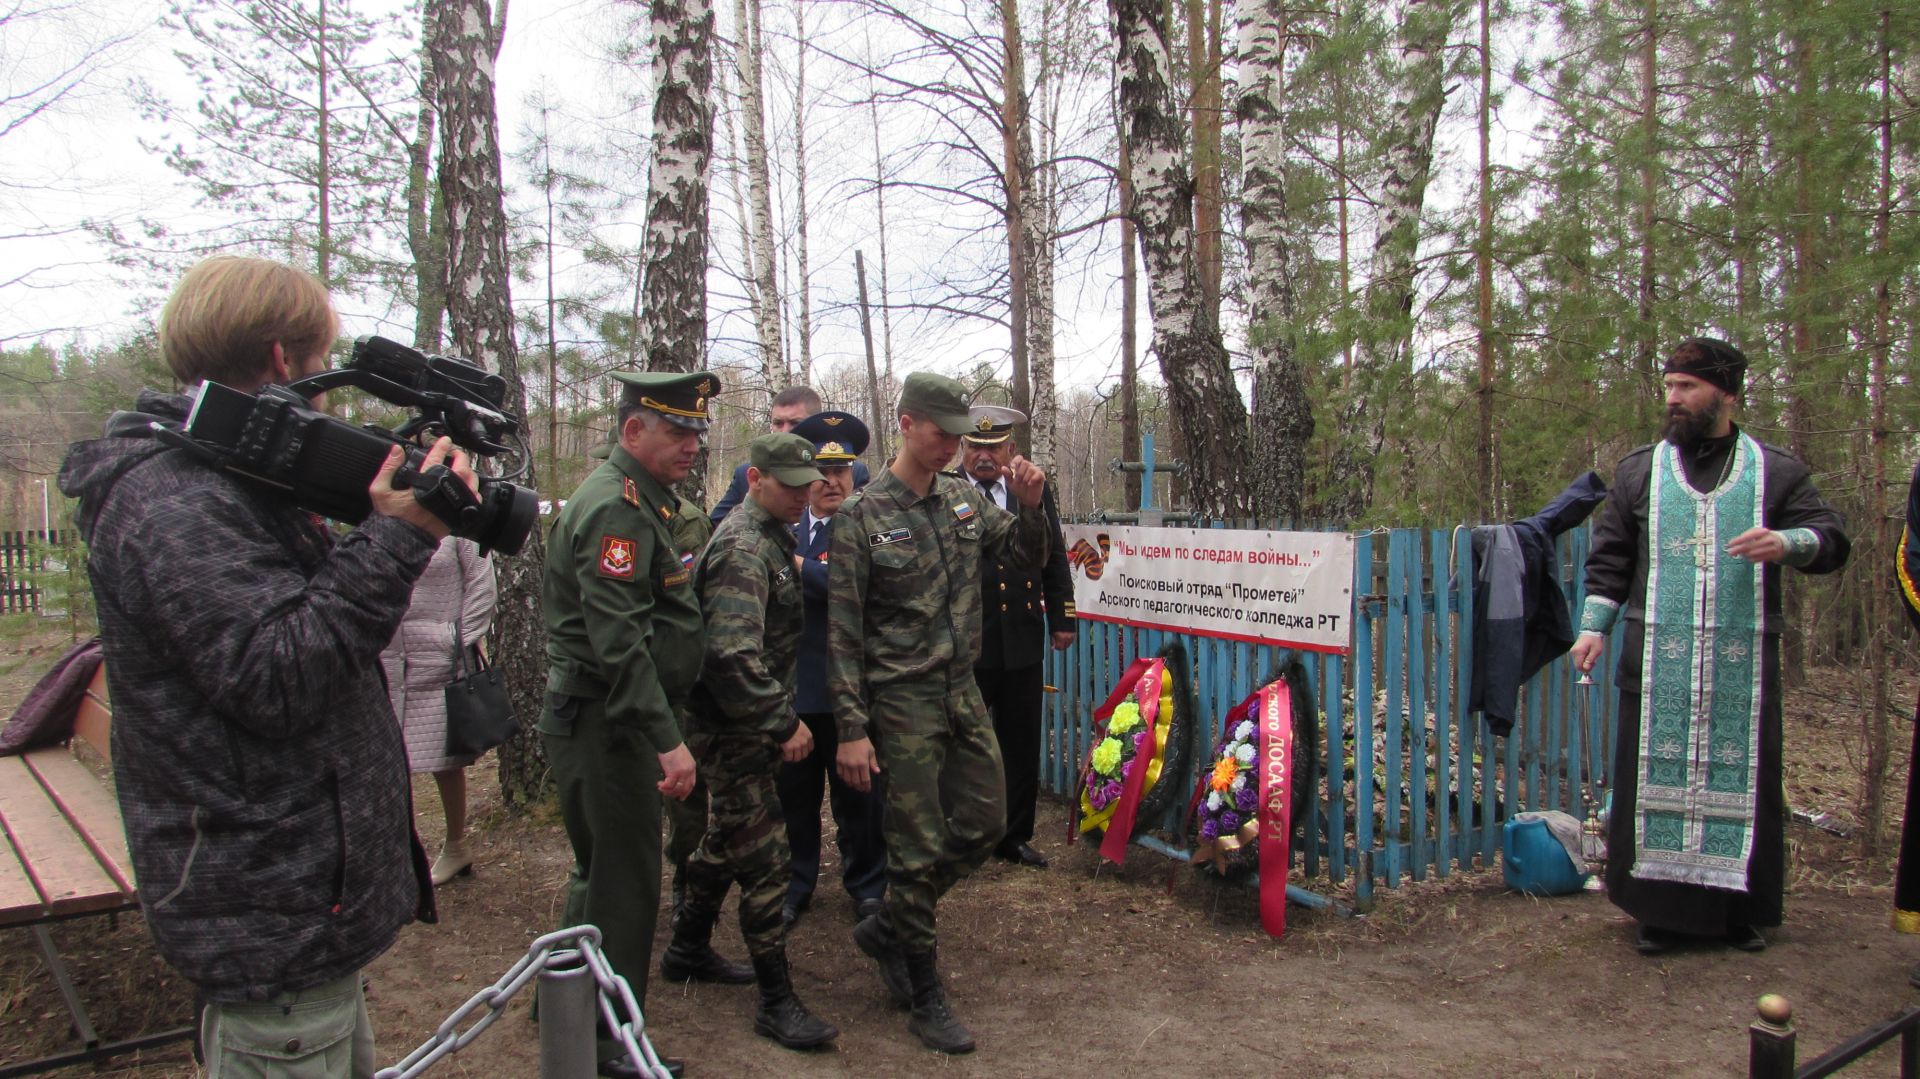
479,716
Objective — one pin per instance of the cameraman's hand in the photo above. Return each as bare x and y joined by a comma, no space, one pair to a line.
391,501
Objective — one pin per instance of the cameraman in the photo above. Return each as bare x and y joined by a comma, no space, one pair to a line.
260,772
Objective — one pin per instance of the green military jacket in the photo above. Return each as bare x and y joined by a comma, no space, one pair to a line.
750,594
623,623
903,588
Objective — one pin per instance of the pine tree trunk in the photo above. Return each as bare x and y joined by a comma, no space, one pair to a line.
426,222
1209,419
1203,72
480,310
1282,414
1383,354
1017,168
1129,314
1483,264
1873,785
766,291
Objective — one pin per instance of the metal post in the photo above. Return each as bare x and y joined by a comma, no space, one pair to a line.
1910,1053
1770,1040
567,998
1146,472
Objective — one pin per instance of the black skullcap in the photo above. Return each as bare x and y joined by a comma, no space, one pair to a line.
1708,359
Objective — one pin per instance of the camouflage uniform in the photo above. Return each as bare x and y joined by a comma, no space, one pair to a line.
742,710
903,632
686,818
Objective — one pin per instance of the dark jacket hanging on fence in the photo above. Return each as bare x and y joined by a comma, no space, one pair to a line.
45,718
1520,617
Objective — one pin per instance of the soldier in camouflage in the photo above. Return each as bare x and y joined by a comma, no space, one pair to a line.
744,725
903,632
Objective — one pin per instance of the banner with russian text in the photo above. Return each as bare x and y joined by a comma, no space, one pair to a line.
1286,588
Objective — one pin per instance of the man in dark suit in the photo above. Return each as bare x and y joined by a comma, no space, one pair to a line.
838,439
1021,614
784,412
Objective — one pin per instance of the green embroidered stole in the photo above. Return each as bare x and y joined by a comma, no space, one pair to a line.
1700,697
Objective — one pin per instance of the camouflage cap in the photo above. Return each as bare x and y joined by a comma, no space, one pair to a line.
786,457
939,398
680,396
837,437
992,424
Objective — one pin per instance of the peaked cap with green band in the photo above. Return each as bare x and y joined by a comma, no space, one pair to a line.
941,399
786,457
681,396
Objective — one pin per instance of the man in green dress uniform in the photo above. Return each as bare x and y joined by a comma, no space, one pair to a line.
903,633
624,639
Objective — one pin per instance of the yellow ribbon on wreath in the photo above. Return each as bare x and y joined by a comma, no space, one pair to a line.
1091,818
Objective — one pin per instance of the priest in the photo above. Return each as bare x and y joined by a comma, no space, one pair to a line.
1688,550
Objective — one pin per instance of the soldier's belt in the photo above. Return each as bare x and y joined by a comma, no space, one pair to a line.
570,683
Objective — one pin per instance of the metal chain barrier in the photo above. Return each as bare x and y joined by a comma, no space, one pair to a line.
562,952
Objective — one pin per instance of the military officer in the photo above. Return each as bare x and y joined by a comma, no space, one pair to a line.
1020,613
744,726
903,631
839,438
624,639
687,817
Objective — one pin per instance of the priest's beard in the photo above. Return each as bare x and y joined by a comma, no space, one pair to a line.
1686,428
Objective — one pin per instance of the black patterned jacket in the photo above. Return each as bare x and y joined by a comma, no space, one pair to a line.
260,772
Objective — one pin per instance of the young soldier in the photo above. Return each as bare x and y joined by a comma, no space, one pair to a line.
903,625
744,725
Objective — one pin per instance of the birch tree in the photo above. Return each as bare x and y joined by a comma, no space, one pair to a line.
1206,410
674,311
1282,415
764,295
464,41
1383,353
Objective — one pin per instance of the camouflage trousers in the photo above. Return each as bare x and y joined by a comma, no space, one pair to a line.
946,803
746,837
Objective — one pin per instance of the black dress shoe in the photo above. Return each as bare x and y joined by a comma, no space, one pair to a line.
1746,938
868,908
1649,940
1022,854
622,1068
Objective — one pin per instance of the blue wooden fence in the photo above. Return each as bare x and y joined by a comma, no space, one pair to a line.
1411,783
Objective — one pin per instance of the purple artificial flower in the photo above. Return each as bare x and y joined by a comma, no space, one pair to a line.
1229,822
1245,799
1209,829
1113,790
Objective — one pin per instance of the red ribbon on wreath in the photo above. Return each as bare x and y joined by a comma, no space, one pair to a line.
1276,802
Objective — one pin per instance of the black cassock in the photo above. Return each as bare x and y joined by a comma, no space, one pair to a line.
1906,882
1617,570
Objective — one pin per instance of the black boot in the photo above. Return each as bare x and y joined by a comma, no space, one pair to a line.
874,935
781,1016
678,894
690,956
932,1020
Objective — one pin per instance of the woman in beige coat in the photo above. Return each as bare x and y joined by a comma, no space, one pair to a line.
456,589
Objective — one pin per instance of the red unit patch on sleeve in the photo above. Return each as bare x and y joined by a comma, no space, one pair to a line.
616,558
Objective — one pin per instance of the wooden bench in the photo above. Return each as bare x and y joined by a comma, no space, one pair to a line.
66,857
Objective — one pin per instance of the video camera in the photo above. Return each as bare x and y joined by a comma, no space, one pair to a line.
277,438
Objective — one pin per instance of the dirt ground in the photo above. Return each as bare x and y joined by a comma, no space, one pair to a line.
1086,968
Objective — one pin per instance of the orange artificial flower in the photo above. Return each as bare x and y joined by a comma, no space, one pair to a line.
1223,773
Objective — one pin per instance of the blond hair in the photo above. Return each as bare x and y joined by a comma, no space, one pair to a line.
225,315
